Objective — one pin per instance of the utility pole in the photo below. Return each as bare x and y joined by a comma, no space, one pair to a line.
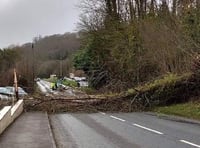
61,66
33,65
61,69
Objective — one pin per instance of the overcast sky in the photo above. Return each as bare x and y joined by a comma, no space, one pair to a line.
21,20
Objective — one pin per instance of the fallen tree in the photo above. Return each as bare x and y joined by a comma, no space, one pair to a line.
167,90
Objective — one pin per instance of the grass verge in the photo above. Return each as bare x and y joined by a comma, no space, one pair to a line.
69,83
64,82
189,110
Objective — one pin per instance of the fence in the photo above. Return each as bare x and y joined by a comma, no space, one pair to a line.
8,114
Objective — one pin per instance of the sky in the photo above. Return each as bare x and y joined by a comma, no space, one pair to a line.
22,20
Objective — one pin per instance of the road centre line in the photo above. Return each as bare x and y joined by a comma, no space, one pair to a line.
189,143
118,118
151,130
137,125
148,129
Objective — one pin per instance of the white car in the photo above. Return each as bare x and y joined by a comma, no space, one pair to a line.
5,97
6,93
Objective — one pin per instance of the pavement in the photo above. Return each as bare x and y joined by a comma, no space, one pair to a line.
30,130
122,130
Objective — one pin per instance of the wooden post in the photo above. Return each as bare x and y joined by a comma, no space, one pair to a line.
15,85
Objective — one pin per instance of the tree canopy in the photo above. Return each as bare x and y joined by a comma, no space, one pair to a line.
134,41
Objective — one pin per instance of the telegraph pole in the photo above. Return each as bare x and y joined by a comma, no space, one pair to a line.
61,73
33,65
61,66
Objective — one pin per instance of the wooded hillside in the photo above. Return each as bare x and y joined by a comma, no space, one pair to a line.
45,56
130,42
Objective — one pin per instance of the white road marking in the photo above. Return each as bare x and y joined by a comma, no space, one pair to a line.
118,118
154,131
102,113
189,143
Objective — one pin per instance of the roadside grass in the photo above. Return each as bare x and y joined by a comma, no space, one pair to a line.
188,110
64,82
69,83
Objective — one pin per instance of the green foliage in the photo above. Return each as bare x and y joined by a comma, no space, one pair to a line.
69,83
169,89
189,110
82,60
91,59
167,80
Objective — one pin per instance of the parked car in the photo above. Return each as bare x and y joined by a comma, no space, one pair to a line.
8,92
5,97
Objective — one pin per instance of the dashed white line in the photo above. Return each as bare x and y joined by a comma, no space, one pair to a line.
189,143
151,130
102,113
118,118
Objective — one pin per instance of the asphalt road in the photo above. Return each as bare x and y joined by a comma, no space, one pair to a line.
45,88
124,130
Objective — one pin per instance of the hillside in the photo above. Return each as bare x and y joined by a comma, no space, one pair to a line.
48,55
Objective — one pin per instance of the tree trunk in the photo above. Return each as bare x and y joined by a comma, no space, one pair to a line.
152,7
131,9
108,7
198,4
174,7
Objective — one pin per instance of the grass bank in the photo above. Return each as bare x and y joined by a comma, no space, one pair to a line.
189,110
65,82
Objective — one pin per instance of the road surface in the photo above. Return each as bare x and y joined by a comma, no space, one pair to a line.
45,87
124,130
